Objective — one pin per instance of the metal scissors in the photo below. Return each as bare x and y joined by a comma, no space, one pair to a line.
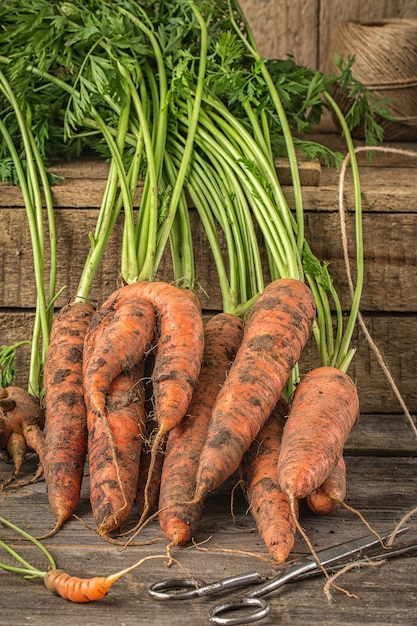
358,550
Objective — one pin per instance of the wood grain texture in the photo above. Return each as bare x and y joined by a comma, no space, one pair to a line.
379,486
282,27
304,29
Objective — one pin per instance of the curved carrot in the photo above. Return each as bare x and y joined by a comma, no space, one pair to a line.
276,331
180,346
331,494
178,354
65,411
178,519
128,333
269,505
114,450
322,413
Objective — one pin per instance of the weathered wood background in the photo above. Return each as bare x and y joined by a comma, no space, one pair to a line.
304,28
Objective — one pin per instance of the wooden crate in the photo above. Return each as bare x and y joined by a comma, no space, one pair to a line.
389,303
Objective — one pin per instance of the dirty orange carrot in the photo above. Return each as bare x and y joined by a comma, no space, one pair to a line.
114,450
180,345
21,428
178,354
324,408
122,344
65,411
178,520
331,494
277,328
268,504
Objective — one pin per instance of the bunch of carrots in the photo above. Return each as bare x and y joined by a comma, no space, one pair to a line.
216,392
165,406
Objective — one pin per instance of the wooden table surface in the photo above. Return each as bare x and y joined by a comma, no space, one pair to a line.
382,484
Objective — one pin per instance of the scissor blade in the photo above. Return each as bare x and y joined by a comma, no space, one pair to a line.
347,549
300,568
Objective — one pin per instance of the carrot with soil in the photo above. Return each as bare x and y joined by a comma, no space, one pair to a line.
178,356
276,331
268,504
328,498
322,413
114,447
66,416
178,520
21,428
128,334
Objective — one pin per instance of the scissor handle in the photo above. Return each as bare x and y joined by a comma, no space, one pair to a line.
176,588
260,608
188,588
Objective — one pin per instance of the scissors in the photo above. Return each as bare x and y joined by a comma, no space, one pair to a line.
356,551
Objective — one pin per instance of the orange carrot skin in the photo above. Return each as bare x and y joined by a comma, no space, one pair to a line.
324,409
65,411
180,346
114,447
76,589
269,505
276,331
222,337
328,498
127,335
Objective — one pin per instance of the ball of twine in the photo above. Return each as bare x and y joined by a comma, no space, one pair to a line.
386,63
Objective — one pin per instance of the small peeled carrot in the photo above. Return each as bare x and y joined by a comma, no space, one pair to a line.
65,410
57,581
128,334
77,589
269,505
324,408
178,354
328,498
276,331
114,450
178,519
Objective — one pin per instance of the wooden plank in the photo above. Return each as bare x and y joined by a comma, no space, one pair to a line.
281,28
396,337
379,487
389,246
